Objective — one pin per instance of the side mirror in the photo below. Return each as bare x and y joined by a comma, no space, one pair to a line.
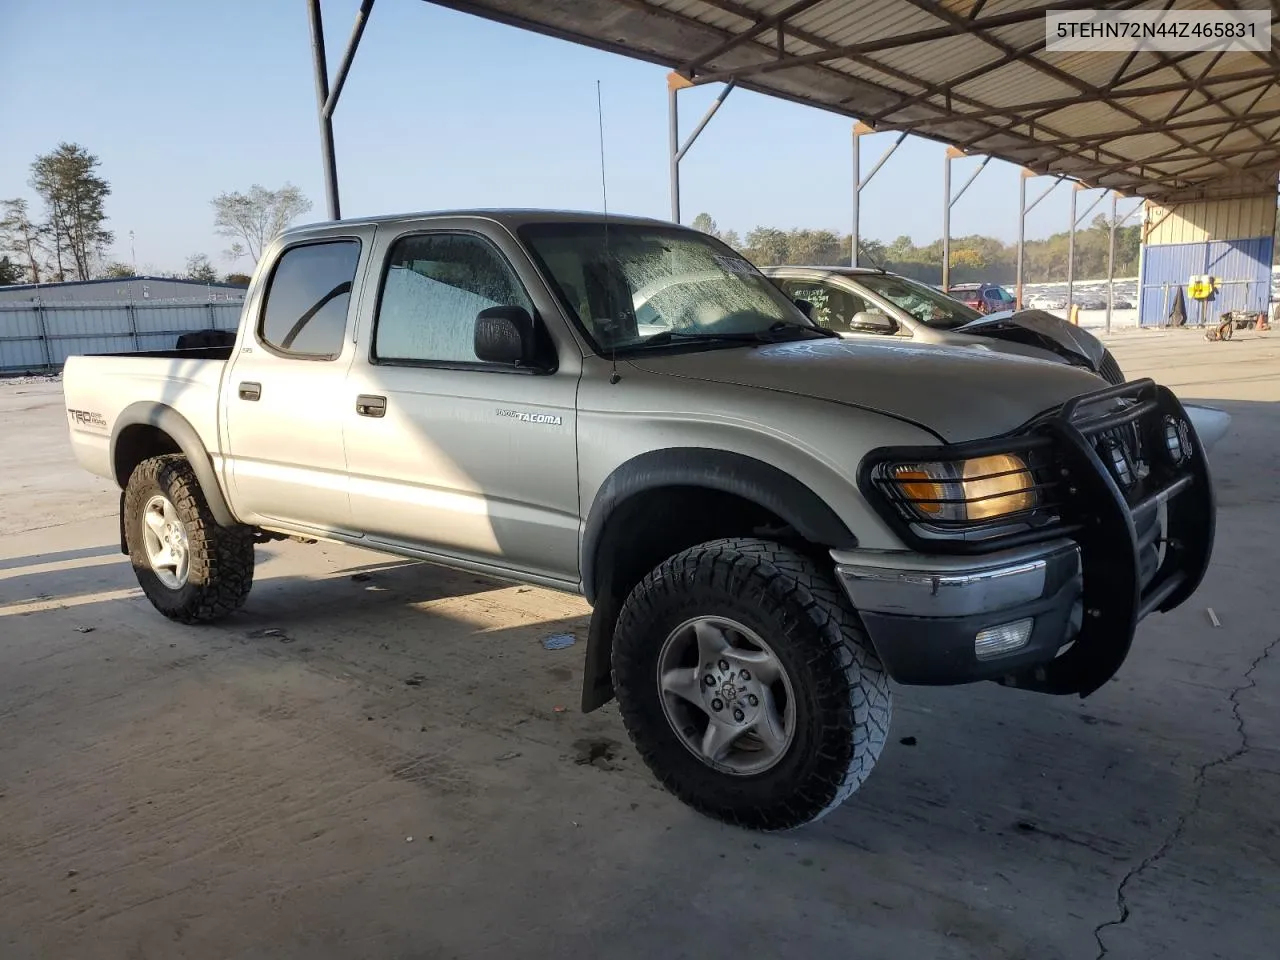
867,321
806,307
505,335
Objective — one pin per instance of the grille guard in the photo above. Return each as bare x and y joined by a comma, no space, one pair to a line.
1113,525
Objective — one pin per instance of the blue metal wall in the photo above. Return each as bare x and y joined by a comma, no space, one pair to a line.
1242,267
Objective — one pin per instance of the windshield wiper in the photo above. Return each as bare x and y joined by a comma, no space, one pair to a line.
773,334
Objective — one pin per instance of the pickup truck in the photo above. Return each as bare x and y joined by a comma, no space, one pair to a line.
771,522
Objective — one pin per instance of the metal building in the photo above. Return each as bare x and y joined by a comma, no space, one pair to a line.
41,325
122,290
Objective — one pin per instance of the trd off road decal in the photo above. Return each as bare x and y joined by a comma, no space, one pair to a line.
87,418
552,419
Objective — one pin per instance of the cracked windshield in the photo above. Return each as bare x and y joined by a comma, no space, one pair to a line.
642,286
929,306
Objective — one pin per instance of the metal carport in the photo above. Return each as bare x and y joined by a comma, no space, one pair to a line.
1172,128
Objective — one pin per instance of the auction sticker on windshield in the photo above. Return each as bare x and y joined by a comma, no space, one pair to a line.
735,265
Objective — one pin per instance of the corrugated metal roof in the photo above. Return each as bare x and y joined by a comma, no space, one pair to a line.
970,72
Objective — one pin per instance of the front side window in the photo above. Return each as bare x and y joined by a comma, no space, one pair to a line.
305,314
931,307
834,307
633,286
435,285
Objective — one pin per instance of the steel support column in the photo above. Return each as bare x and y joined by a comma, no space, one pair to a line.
1022,234
1022,221
948,201
676,83
1111,261
861,130
1071,251
327,156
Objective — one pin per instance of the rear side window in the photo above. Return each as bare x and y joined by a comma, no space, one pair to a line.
435,285
306,310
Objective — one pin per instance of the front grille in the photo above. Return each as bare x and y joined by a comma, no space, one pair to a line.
1110,368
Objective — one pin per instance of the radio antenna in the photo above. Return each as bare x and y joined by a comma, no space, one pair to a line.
614,377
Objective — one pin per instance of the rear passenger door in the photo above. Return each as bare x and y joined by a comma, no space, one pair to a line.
283,401
457,456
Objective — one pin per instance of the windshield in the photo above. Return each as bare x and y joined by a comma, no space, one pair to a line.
656,285
931,307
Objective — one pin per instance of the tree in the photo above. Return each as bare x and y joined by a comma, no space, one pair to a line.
237,279
252,220
117,271
968,257
10,273
766,246
22,237
704,223
199,268
74,195
730,238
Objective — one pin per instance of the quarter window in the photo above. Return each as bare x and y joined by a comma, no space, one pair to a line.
305,314
434,287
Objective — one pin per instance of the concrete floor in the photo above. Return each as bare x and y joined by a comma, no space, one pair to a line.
379,759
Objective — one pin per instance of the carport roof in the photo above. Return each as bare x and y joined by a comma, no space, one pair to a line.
972,73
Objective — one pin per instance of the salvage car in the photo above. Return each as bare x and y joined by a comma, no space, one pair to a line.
862,302
771,522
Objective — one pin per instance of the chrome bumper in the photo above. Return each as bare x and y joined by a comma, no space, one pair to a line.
923,613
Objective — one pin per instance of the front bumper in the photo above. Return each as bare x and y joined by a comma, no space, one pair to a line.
1131,533
924,614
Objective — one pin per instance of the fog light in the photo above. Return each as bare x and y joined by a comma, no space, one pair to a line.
1006,638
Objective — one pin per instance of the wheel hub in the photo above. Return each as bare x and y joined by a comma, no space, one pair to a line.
726,695
165,541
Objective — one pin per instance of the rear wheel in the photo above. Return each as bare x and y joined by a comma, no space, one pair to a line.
748,684
191,569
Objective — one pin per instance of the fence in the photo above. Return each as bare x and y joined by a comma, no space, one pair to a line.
36,337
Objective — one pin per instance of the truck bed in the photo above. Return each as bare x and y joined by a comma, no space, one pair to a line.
98,388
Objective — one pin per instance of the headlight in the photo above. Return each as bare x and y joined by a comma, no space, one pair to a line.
964,491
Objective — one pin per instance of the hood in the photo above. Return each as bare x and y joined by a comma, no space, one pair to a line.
1039,328
955,392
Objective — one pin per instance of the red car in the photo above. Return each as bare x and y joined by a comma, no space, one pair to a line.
983,297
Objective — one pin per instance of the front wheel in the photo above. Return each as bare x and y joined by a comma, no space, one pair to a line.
192,569
748,684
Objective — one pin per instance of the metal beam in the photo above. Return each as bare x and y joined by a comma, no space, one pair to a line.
326,123
706,118
949,201
1040,66
849,51
362,17
1071,255
1155,90
860,130
758,27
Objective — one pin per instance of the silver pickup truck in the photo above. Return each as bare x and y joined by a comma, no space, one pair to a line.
771,522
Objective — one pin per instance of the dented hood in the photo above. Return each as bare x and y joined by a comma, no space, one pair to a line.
1039,328
959,394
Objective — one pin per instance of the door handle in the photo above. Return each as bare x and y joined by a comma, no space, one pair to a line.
368,405
250,390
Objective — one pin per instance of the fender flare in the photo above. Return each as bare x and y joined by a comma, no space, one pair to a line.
170,422
733,473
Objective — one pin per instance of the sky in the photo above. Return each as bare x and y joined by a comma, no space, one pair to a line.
184,100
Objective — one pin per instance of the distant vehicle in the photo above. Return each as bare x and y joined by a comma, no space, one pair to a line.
1092,303
983,297
1043,301
855,301
1122,305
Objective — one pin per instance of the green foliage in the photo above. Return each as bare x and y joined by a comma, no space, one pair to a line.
237,279
973,257
74,195
199,268
117,271
9,272
704,223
